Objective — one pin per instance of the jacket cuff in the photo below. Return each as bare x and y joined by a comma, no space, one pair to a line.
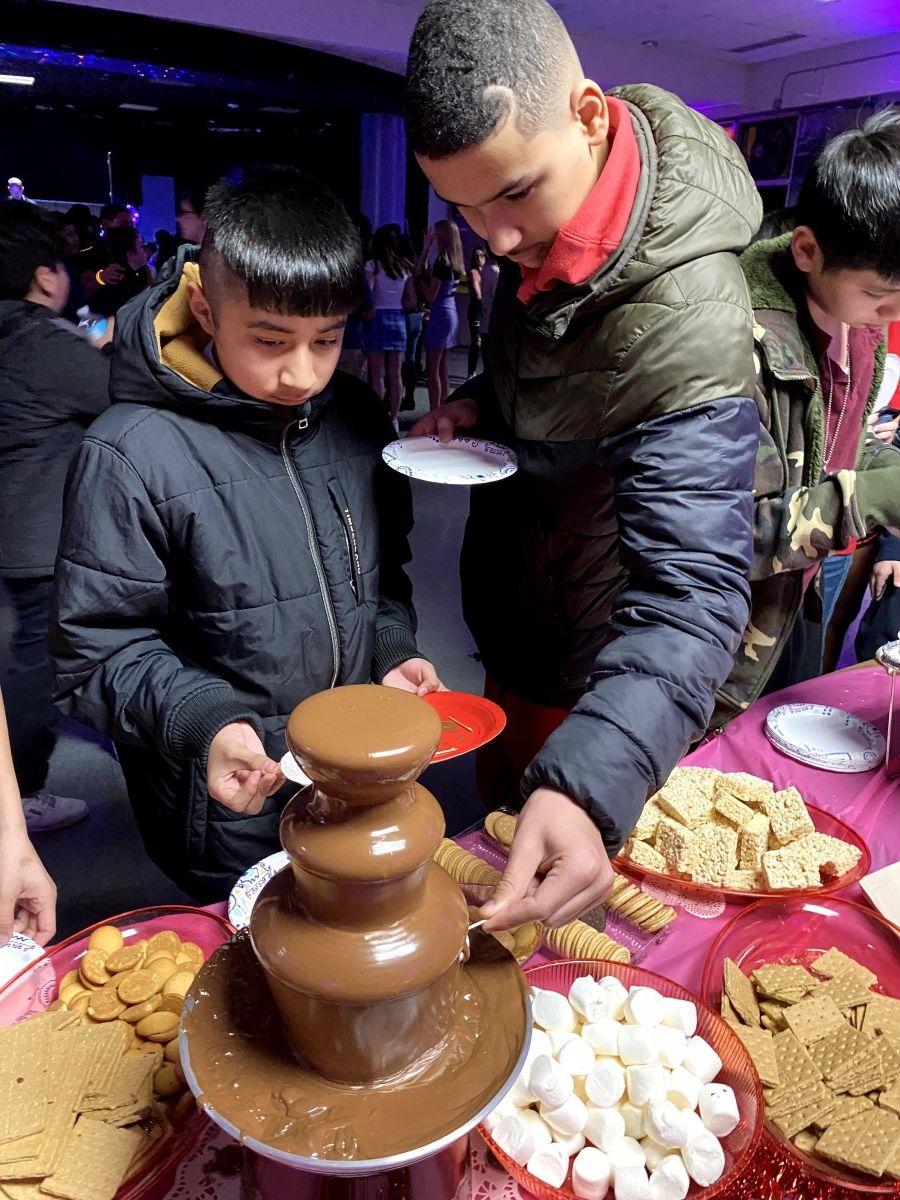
198,719
888,548
393,646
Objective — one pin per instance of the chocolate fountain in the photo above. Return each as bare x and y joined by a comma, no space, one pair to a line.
355,1031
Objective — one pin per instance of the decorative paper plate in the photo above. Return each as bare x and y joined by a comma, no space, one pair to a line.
825,737
463,460
469,722
251,883
18,952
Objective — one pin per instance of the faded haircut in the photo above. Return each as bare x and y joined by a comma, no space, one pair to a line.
851,198
287,238
474,63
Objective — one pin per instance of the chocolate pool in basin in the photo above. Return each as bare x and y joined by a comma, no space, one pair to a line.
355,1029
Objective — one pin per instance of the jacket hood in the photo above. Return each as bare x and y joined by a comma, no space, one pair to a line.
695,198
160,359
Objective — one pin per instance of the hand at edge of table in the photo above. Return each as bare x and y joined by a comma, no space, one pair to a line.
27,893
558,867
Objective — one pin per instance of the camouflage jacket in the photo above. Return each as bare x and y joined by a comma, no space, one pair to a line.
800,516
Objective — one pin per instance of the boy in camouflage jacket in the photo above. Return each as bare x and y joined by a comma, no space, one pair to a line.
821,298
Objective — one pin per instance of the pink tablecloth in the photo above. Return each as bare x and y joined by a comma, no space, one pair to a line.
869,802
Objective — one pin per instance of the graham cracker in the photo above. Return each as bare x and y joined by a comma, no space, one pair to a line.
795,1066
761,1048
24,1062
805,1141
814,1018
832,1052
882,1015
791,1123
834,962
866,1142
95,1163
847,990
775,977
727,1011
740,992
846,1107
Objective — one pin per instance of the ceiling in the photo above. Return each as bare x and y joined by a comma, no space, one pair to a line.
732,28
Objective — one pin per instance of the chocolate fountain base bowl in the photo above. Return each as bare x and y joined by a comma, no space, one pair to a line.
234,1052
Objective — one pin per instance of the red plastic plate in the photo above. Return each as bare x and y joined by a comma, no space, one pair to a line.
469,722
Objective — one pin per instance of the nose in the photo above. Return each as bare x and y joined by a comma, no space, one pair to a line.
502,237
297,373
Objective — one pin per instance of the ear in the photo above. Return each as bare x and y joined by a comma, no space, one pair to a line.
805,250
200,307
588,107
44,281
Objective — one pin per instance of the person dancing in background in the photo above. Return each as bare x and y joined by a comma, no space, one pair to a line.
439,290
476,310
389,276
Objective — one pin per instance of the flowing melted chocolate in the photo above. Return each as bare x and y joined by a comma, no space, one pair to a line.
236,1046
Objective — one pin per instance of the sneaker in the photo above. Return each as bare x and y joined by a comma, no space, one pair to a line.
44,811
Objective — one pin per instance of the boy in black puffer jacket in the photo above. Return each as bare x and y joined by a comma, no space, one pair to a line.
232,540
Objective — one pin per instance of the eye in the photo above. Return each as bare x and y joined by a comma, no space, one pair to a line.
329,342
524,194
268,342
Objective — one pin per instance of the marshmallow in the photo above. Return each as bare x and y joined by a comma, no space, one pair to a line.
701,1060
627,1153
569,1118
605,1085
580,1089
718,1108
604,1128
515,1138
669,1180
672,1046
577,1057
573,1144
646,1083
683,1089
654,1152
704,1158
631,1183
602,1036
644,1006
638,1044
557,1040
617,994
553,1011
550,1165
680,1014
540,1044
694,1125
520,1093
589,999
505,1108
634,1120
540,1130
666,1123
591,1174
549,1082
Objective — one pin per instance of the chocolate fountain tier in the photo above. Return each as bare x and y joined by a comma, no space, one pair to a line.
233,1048
361,938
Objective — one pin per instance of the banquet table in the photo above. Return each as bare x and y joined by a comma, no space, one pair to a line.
869,802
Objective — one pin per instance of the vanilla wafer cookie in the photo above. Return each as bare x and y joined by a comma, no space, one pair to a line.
636,906
578,940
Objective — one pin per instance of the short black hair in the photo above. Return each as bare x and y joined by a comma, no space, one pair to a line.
29,238
287,238
851,198
472,63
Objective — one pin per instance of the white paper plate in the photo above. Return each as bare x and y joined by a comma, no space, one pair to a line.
251,883
18,952
464,460
825,737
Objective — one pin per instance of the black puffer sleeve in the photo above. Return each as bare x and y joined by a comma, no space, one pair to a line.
685,511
